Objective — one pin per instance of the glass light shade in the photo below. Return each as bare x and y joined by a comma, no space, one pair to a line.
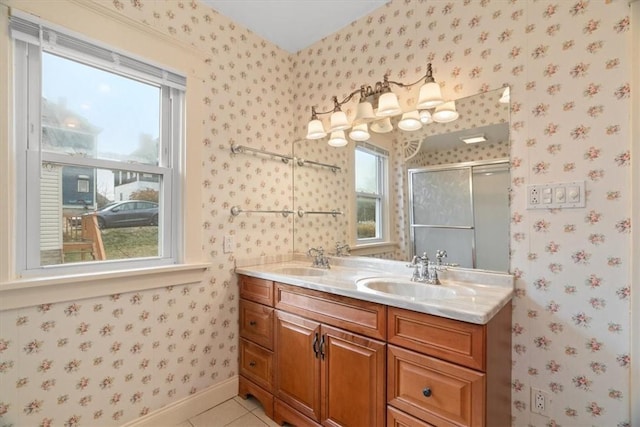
339,121
337,139
445,113
315,130
425,116
388,105
410,121
364,113
430,96
359,133
381,126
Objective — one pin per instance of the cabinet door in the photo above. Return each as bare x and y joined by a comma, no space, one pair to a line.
353,379
297,365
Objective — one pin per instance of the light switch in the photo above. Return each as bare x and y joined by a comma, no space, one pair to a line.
574,194
557,195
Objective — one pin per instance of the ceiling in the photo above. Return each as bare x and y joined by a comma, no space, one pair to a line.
294,24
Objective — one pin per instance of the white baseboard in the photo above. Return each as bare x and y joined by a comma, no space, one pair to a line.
188,407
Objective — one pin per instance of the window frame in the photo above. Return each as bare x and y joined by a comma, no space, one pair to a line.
30,157
381,197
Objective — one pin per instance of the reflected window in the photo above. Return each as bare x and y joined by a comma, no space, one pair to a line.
101,135
371,187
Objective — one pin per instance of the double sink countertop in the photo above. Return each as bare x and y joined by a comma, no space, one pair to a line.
468,295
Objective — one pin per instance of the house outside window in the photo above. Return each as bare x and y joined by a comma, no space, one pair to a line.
371,176
85,117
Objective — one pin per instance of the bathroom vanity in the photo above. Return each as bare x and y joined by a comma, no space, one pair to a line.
326,347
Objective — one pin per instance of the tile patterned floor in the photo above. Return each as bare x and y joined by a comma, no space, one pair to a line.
235,412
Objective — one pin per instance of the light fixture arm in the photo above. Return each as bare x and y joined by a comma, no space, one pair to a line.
427,78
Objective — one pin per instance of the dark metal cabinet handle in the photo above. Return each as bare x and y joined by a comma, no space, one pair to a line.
252,363
427,392
252,323
322,347
315,345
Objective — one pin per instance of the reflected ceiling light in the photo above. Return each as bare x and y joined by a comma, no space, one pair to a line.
506,96
473,139
337,139
359,132
379,101
410,121
425,116
445,113
382,126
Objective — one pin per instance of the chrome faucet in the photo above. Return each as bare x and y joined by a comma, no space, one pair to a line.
319,259
420,265
342,249
426,271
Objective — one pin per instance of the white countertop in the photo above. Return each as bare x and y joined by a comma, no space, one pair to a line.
477,295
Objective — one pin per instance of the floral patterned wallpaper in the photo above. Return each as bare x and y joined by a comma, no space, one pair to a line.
566,63
105,361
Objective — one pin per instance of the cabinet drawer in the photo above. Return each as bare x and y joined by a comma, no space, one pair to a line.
257,290
458,342
256,323
435,391
354,315
256,363
397,418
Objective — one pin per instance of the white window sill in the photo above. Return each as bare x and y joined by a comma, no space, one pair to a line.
45,290
373,248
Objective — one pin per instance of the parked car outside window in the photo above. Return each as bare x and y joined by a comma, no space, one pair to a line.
128,213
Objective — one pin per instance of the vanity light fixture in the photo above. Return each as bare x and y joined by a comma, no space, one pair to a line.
377,105
473,139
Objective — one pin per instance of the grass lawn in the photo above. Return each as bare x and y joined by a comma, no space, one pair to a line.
125,243
130,242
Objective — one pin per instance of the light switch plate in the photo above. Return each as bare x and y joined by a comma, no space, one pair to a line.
556,195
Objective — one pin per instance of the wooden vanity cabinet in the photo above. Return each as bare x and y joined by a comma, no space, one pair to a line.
444,372
313,358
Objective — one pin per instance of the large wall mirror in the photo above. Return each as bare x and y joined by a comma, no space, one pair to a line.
429,210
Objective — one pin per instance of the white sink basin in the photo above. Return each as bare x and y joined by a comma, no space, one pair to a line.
415,290
301,271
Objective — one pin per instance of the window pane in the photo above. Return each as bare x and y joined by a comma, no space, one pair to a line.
367,214
116,219
366,172
90,112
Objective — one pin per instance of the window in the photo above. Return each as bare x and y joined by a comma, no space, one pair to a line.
99,139
371,198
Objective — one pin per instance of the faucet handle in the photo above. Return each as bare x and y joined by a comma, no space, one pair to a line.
440,253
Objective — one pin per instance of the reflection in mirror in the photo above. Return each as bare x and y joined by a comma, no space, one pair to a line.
436,144
462,209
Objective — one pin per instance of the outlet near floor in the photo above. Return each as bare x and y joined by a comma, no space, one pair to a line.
540,402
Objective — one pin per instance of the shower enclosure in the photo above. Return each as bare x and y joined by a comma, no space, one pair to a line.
463,209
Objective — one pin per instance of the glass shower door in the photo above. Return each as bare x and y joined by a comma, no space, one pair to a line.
442,214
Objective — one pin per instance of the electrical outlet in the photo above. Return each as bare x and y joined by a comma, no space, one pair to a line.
534,195
540,402
557,195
